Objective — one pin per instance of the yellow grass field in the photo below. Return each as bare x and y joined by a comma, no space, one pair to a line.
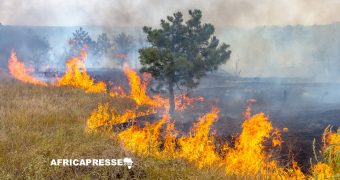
38,124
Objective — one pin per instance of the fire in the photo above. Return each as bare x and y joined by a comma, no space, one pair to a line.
322,171
332,140
138,87
99,117
183,101
143,141
117,91
106,116
76,76
330,167
138,92
18,70
160,140
199,146
248,157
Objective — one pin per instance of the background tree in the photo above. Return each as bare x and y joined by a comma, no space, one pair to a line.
123,44
103,45
27,43
80,40
181,53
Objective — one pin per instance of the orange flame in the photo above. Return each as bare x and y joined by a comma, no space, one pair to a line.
160,139
322,171
20,72
248,157
329,168
143,141
106,116
199,147
138,92
138,87
76,76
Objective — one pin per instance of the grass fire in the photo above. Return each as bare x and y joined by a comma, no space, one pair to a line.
162,102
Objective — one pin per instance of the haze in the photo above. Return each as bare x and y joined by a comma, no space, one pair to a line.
148,12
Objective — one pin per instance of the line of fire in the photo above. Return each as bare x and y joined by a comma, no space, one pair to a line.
182,99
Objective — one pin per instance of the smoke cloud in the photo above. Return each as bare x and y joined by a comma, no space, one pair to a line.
148,12
284,51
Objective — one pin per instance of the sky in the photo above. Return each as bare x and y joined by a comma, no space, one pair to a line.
148,12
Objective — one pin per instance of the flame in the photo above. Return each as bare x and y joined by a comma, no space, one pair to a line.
99,117
117,91
76,76
143,141
330,167
276,138
138,92
138,87
106,116
18,70
248,156
322,171
332,140
160,139
247,159
199,147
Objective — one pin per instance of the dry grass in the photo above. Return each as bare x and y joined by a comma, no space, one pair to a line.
38,124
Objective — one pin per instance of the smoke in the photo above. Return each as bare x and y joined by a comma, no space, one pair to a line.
148,12
290,51
262,51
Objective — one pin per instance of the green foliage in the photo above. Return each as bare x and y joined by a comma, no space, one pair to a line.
182,53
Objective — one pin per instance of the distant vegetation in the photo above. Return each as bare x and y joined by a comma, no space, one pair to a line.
27,43
36,48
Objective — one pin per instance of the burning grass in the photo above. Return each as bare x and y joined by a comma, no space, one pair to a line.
157,141
39,123
76,76
21,72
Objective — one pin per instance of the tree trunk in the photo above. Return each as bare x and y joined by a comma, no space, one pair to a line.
171,99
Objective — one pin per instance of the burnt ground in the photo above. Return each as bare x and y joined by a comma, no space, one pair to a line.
305,108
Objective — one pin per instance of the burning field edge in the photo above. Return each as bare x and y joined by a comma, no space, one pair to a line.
44,120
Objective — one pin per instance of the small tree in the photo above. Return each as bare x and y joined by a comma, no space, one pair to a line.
103,45
181,53
123,44
80,40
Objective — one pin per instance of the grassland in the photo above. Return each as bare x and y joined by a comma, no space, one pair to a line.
38,124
